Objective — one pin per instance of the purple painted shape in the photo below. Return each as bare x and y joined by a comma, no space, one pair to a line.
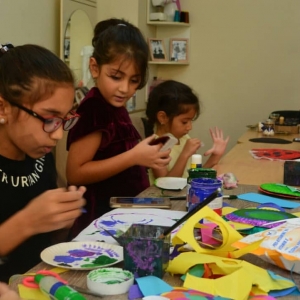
143,254
88,251
66,259
134,292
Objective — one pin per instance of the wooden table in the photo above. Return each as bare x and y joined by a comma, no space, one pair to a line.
249,170
79,277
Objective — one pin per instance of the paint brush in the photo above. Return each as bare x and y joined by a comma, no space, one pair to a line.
230,197
199,206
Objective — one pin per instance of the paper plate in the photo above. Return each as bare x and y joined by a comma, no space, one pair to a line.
170,183
82,255
278,190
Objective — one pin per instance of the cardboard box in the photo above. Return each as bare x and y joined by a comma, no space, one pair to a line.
291,174
286,128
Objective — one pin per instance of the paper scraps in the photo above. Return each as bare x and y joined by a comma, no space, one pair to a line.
229,235
279,246
244,278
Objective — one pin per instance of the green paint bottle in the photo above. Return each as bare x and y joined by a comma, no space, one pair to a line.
55,289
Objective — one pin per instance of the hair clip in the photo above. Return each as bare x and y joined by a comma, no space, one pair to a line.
5,47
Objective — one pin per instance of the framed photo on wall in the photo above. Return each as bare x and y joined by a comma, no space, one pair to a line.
157,49
179,49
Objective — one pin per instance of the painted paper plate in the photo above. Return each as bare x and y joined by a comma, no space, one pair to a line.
279,190
82,255
170,183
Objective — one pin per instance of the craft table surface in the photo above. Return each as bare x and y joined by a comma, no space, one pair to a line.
79,277
249,170
253,134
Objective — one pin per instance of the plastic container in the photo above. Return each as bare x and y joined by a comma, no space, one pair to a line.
196,162
55,289
201,188
197,173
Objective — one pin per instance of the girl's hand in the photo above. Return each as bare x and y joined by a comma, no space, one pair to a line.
219,144
54,209
6,293
151,156
191,146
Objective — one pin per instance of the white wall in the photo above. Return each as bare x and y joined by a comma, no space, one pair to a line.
244,62
30,21
244,59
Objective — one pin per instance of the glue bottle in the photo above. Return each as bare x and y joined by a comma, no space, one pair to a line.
55,289
196,162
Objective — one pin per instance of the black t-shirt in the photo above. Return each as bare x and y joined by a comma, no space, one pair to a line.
20,182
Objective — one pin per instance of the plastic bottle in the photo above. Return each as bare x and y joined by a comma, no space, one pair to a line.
55,289
196,162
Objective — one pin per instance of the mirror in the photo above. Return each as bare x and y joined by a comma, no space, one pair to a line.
78,46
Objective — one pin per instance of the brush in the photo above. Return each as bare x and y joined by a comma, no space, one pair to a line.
199,206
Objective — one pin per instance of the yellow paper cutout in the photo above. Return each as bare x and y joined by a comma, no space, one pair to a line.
229,234
219,287
36,294
227,210
239,279
30,293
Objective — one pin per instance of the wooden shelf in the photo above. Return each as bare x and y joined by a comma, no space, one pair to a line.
168,63
163,23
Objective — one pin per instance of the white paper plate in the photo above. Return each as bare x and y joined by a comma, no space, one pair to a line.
82,255
170,183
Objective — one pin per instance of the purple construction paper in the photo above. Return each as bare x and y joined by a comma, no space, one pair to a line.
134,292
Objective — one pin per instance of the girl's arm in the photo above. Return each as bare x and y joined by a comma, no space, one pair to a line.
81,169
190,148
6,293
52,210
218,148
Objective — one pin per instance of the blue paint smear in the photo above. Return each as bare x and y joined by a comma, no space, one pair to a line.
66,259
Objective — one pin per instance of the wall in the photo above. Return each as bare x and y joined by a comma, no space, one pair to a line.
244,59
30,21
244,62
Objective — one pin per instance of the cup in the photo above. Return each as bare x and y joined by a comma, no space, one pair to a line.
144,252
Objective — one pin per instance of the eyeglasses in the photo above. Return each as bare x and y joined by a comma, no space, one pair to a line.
52,124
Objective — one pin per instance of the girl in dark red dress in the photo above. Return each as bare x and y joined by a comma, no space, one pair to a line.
104,149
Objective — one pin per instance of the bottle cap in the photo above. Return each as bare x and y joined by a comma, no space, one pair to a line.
38,278
197,159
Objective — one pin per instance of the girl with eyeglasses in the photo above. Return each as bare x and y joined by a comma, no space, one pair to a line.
36,96
104,149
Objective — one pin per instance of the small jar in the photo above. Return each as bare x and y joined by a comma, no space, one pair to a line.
201,188
281,120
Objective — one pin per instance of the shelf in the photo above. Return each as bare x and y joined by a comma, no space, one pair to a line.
163,23
167,63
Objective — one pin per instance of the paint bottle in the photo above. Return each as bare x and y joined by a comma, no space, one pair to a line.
196,163
201,188
55,289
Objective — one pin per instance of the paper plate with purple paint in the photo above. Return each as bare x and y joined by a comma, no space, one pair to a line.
82,255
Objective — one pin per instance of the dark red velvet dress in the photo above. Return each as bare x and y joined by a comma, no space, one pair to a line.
118,136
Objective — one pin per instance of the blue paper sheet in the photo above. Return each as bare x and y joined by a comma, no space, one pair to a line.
259,198
152,285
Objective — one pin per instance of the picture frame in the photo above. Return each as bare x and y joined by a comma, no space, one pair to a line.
157,49
179,50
